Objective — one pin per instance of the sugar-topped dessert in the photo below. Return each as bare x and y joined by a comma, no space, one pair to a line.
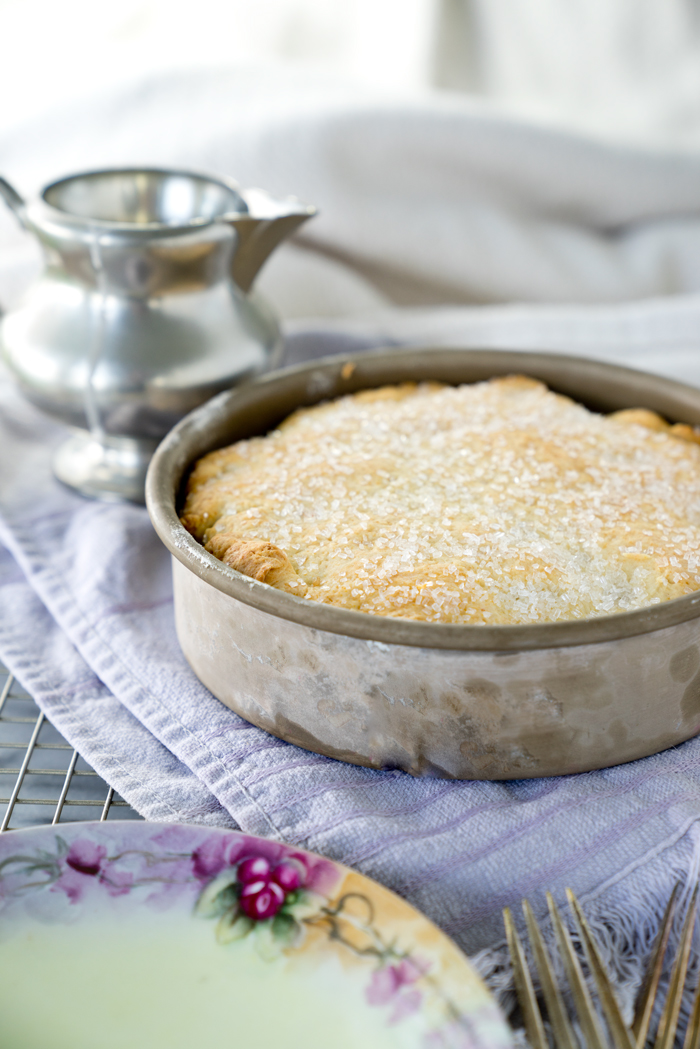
493,502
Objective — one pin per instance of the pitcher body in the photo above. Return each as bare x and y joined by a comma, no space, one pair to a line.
142,313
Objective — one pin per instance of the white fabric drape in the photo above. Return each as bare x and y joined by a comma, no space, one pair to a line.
626,69
427,202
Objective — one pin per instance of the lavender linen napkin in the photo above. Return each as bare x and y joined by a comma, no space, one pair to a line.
86,624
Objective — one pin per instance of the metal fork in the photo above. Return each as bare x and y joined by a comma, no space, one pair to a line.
622,1036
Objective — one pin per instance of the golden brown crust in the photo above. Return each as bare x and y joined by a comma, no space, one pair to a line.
495,502
639,417
652,421
685,432
258,559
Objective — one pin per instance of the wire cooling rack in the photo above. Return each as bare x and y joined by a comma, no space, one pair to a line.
42,778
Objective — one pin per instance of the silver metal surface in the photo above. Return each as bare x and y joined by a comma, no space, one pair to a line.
42,778
460,701
143,311
11,196
104,467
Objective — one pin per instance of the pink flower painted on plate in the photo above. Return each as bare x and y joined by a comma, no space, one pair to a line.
118,883
268,892
86,857
214,855
264,888
220,852
287,877
394,985
87,863
260,900
253,868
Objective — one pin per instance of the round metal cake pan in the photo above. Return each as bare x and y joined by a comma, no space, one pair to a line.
458,701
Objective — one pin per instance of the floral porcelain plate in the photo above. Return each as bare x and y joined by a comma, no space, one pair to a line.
148,936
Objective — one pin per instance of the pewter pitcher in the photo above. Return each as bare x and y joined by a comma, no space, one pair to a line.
143,311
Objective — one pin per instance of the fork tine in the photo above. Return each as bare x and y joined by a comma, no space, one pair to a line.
644,1005
621,1035
523,986
665,1036
590,1025
692,1034
563,1033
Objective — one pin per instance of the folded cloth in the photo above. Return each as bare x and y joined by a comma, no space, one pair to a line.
86,623
159,786
423,200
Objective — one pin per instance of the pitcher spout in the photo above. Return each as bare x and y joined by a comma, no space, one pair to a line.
267,223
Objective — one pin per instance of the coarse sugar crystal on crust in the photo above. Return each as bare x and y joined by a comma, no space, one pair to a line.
491,502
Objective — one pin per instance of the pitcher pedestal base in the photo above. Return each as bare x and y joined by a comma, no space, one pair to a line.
109,468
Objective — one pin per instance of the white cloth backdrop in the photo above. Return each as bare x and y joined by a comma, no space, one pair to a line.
424,200
624,69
